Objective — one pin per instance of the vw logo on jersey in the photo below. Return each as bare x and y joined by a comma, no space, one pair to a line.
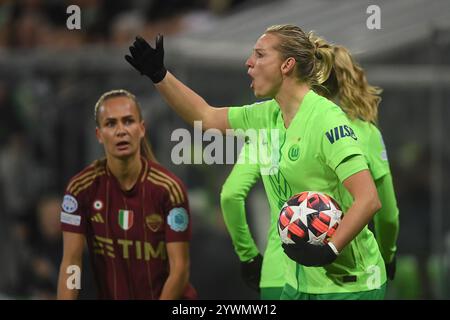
280,185
294,152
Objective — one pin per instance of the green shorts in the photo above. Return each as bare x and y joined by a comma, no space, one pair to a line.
270,293
289,293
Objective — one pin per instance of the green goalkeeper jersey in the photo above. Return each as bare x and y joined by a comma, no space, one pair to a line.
310,155
245,174
234,192
386,220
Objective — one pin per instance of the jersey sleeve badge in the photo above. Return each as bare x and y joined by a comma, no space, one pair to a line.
69,204
178,219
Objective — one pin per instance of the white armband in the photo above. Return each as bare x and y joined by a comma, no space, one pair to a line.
333,247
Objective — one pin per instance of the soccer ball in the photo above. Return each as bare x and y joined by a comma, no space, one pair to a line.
309,216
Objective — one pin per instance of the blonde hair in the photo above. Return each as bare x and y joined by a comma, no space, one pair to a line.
146,148
295,43
340,76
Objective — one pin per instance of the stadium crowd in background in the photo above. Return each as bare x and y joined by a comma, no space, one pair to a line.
41,23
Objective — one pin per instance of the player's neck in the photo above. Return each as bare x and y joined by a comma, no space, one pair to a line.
126,171
289,98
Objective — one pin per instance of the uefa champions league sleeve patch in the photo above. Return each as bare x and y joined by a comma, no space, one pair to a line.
69,204
178,219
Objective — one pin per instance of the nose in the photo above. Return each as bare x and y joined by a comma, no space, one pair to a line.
249,62
120,130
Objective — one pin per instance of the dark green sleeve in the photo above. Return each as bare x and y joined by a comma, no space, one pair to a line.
386,220
232,199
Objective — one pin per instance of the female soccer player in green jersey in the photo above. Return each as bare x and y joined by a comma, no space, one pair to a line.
345,81
318,151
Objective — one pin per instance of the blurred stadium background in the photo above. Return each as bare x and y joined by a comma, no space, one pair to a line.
51,77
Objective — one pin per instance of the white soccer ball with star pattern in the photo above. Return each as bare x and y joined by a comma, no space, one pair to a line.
309,216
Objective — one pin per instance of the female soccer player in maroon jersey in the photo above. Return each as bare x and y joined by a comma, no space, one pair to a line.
132,212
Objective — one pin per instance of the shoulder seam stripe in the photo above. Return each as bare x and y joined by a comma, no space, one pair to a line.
176,184
165,186
145,171
87,184
178,196
86,179
89,171
174,199
159,172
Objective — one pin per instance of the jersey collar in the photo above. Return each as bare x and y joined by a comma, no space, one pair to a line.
303,111
133,191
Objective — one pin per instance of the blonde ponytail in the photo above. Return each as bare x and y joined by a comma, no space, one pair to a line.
324,57
357,97
147,151
339,76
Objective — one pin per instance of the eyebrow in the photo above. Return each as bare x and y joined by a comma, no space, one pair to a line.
130,116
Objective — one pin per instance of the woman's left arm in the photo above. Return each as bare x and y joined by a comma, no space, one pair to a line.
176,282
365,204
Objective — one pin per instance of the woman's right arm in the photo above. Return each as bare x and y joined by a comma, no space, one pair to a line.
386,221
190,106
72,256
186,103
232,200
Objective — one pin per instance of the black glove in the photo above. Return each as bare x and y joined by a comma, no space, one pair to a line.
310,255
251,272
391,268
148,60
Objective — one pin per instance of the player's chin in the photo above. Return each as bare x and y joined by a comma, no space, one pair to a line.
261,90
260,94
257,94
124,153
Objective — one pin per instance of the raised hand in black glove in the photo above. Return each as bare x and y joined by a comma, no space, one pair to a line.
310,255
251,272
147,60
391,268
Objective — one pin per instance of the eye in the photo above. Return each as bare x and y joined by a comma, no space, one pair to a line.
259,54
129,121
109,124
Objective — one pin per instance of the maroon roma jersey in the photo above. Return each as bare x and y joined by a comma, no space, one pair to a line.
127,231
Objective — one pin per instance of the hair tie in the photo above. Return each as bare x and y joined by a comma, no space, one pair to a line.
317,55
316,50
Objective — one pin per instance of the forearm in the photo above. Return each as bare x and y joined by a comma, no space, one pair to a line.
366,202
234,216
386,220
65,291
175,285
354,220
232,200
184,101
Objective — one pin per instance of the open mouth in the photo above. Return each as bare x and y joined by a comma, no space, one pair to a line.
122,144
252,83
